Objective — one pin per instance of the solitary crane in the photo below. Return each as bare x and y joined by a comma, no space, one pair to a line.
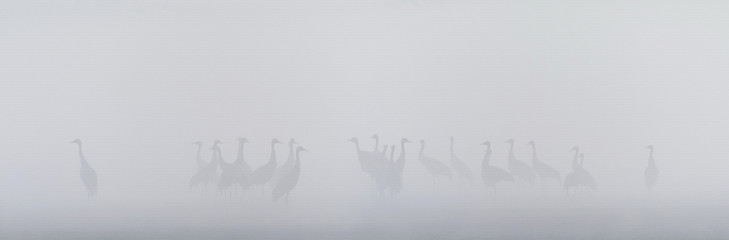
519,169
88,174
288,181
263,174
651,171
462,169
492,175
435,167
543,170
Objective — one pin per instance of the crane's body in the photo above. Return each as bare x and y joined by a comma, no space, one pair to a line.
491,175
651,171
543,170
264,174
521,171
88,174
289,180
462,169
435,167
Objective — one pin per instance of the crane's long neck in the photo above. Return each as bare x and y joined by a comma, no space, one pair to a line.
220,155
422,149
392,154
511,151
452,152
356,145
402,152
297,162
486,159
291,156
651,161
215,155
198,156
81,155
575,164
272,158
240,159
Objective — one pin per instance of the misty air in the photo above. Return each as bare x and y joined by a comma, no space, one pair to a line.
402,119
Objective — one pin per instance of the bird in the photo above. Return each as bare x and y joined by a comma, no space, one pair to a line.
233,174
400,164
288,165
575,158
209,173
462,169
519,169
370,162
88,174
240,160
399,167
579,178
264,173
198,158
377,142
586,179
651,171
435,167
543,170
492,175
289,180
387,177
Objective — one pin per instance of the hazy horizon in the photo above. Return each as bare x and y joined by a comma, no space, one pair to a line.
140,81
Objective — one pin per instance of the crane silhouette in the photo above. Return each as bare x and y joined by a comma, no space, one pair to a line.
264,173
399,167
492,175
88,174
233,174
387,177
462,169
543,170
370,162
289,180
651,171
287,166
575,158
435,167
579,178
519,169
240,160
209,173
198,158
377,142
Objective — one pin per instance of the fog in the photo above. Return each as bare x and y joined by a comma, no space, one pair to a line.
139,81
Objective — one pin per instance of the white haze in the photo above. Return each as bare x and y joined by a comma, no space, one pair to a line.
139,81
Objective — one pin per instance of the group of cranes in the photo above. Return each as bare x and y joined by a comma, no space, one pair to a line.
387,172
240,175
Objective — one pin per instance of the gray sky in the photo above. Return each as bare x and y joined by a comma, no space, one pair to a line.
139,81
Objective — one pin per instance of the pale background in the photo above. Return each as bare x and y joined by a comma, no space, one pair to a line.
139,81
